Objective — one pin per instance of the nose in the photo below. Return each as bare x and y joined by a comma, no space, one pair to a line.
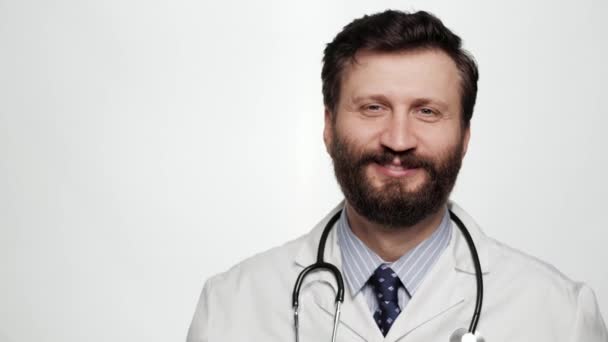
398,134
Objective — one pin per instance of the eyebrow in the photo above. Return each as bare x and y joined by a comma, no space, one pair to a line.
374,97
428,101
422,101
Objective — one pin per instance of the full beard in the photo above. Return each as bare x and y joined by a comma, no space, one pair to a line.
393,205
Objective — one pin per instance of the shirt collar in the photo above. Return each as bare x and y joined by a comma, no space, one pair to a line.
359,262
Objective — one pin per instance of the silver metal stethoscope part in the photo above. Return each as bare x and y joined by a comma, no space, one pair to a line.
463,335
336,322
334,333
296,323
460,335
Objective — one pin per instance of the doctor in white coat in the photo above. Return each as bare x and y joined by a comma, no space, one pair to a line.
525,299
399,94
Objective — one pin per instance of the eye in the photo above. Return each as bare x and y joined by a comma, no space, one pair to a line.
428,114
427,111
373,109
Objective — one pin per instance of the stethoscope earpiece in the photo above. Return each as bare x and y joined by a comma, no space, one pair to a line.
463,335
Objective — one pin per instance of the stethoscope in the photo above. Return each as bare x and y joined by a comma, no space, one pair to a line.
460,335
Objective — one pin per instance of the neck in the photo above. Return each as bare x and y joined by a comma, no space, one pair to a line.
390,243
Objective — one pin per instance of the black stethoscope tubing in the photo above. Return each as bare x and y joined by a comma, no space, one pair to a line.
320,264
478,273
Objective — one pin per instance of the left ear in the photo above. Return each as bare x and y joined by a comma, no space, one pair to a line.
465,140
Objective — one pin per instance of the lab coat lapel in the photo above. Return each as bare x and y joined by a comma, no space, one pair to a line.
434,297
449,283
461,252
355,315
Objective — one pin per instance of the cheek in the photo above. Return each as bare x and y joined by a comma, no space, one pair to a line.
436,139
357,131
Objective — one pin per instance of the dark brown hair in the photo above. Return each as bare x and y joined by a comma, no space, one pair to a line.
393,31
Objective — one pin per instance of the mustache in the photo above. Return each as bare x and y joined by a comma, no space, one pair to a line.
407,159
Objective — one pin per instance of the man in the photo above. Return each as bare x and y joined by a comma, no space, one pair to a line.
399,93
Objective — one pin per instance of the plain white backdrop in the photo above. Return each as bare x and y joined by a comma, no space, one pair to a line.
147,145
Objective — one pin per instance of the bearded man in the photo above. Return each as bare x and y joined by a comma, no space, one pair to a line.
399,93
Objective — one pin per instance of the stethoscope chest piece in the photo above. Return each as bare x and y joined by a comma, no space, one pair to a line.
463,335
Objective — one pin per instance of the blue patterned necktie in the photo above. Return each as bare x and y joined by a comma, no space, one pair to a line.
386,283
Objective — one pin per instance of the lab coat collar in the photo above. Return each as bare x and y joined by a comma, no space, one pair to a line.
308,252
435,295
461,253
351,311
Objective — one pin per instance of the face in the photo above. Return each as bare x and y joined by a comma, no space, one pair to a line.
396,139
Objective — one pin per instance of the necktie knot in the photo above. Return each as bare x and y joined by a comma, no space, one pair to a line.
386,285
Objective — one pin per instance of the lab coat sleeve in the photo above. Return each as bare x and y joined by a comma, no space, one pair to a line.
199,328
588,323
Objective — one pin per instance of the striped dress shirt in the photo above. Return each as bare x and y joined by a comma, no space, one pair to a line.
359,262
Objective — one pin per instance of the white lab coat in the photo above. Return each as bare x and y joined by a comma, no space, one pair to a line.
525,300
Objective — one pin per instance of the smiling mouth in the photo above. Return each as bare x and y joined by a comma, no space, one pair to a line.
393,170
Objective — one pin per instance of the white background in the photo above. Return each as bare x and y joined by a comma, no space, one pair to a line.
145,146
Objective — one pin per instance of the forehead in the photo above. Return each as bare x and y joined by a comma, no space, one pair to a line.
420,73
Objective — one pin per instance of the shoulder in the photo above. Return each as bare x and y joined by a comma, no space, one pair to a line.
527,268
523,286
279,262
532,278
242,291
260,279
531,290
510,268
279,259
521,276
